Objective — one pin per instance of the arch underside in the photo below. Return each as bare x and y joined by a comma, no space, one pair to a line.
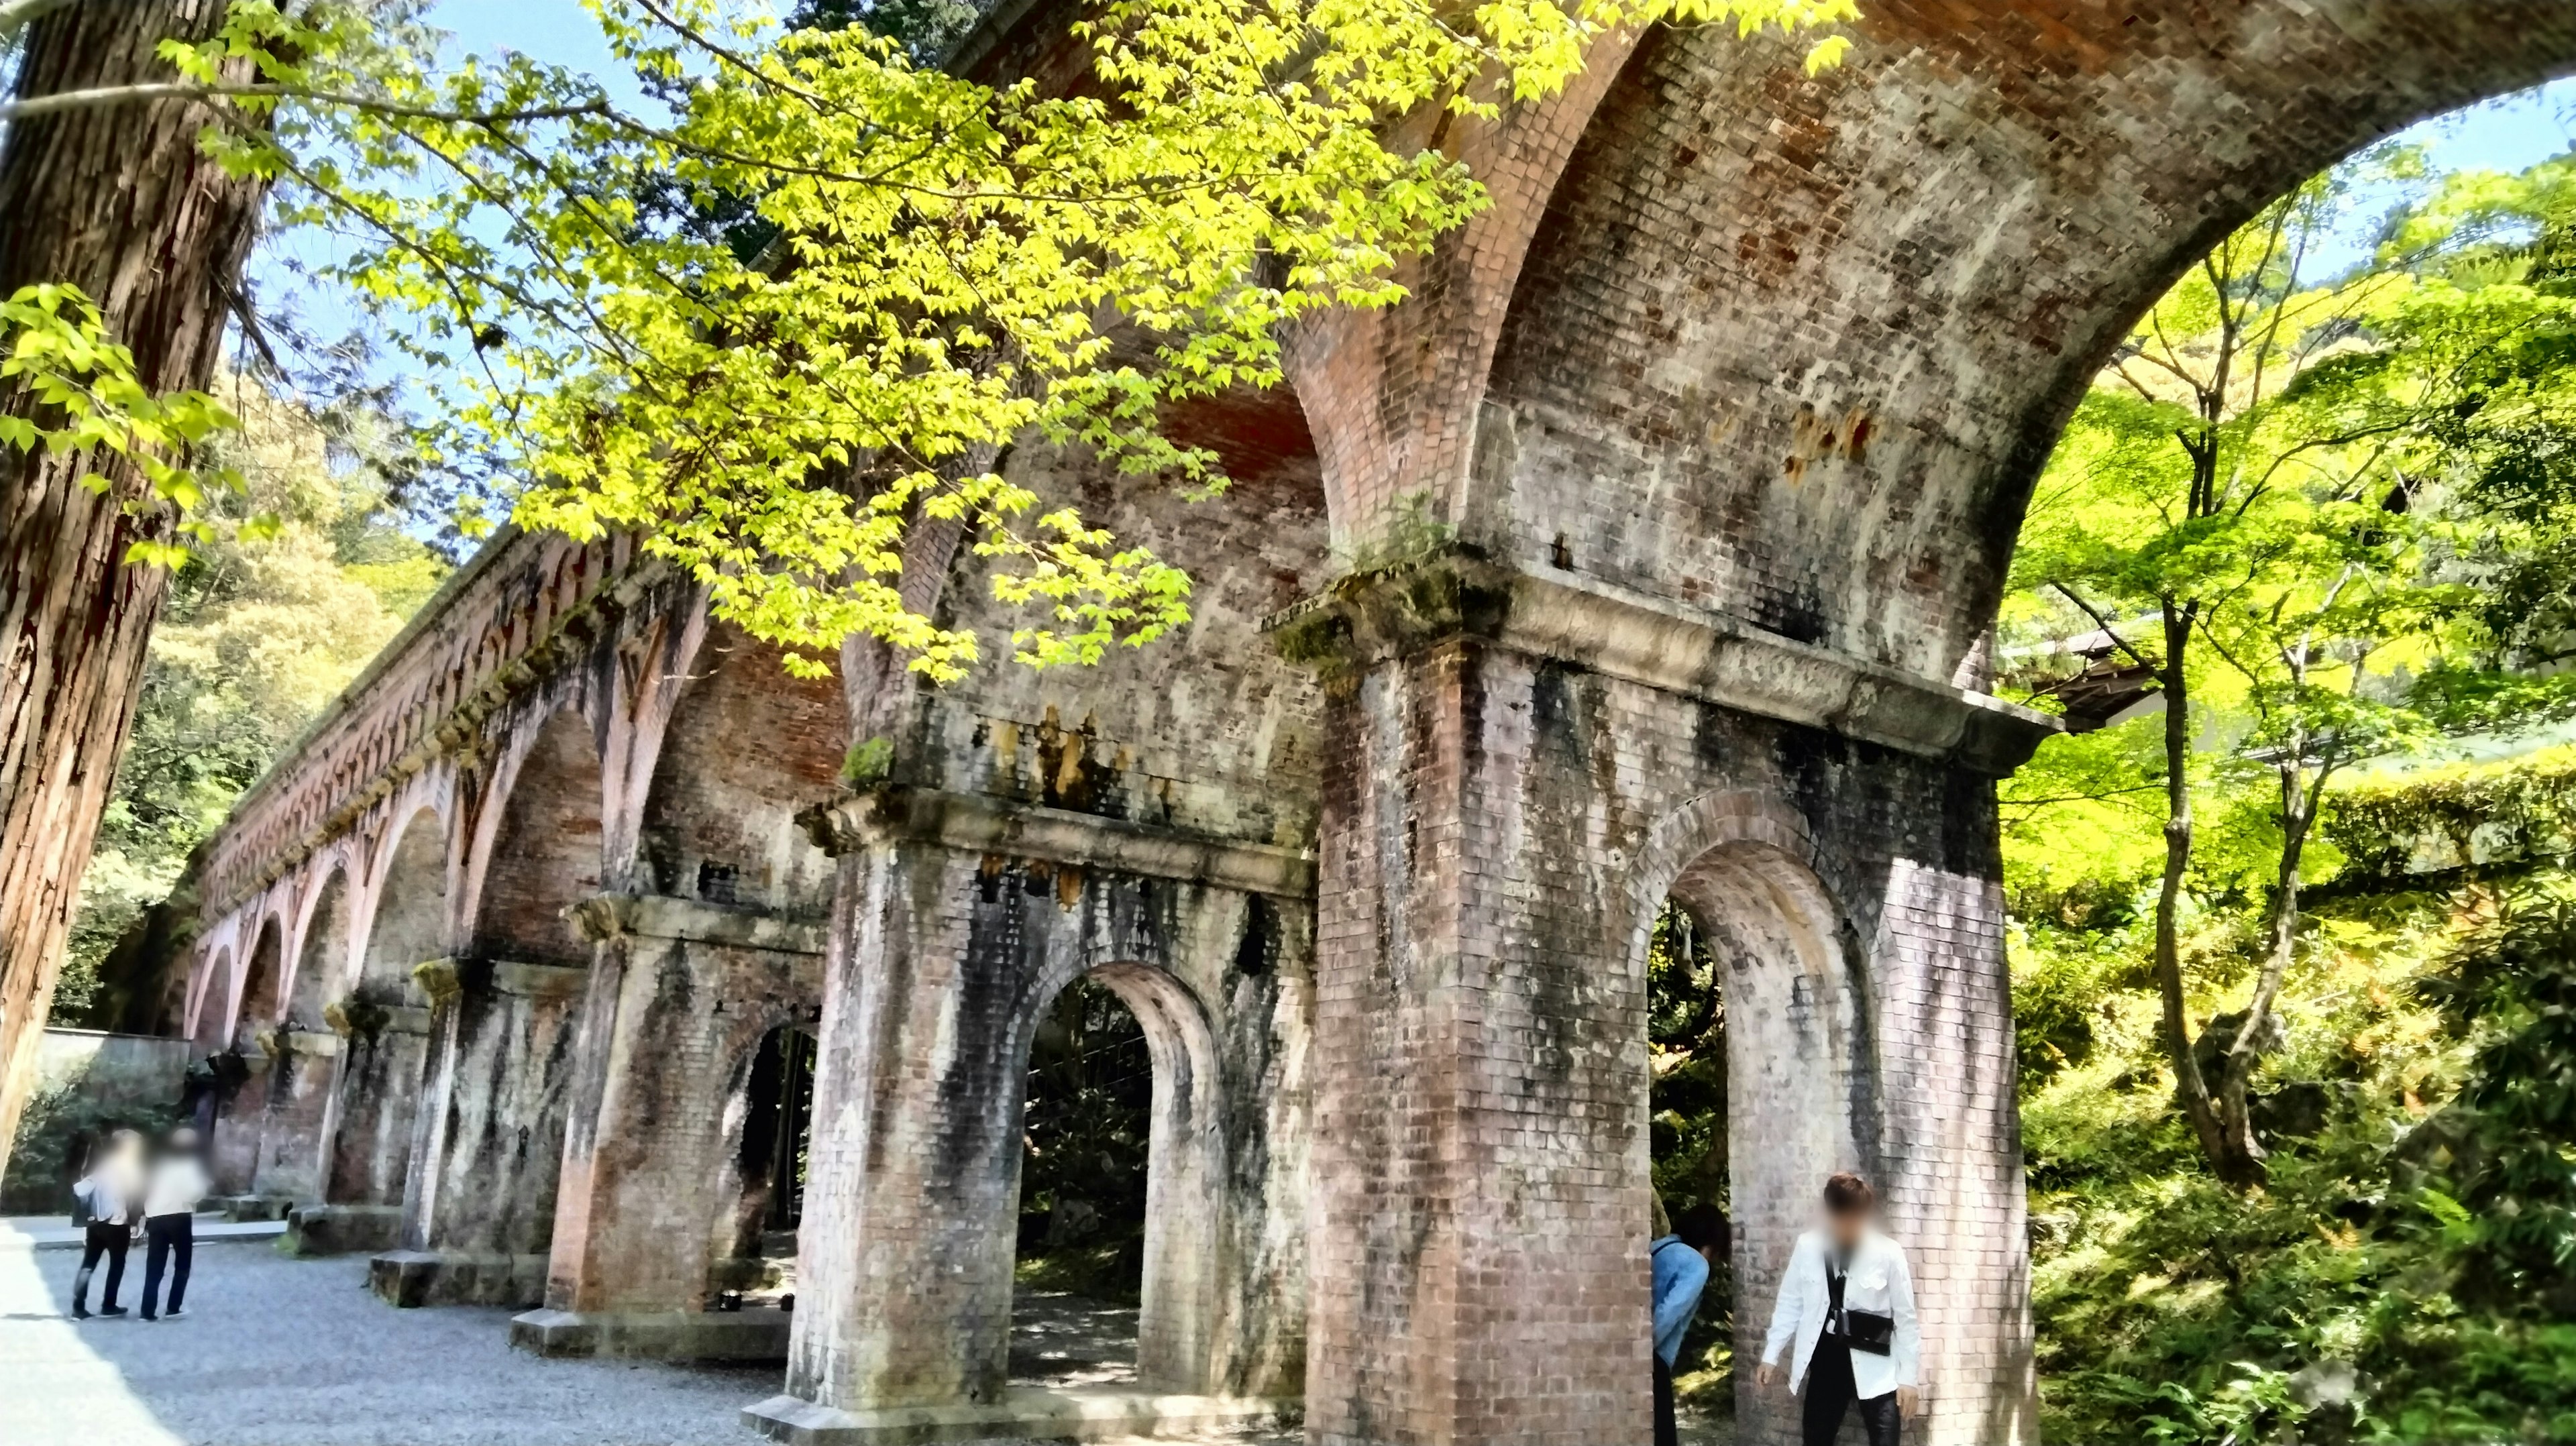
1796,349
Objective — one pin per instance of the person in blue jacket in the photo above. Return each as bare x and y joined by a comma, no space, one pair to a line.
1682,1261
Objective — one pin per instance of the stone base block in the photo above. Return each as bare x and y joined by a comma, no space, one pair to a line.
731,1335
451,1277
341,1229
1046,1415
251,1207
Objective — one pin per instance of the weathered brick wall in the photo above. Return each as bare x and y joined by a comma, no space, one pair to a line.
232,1156
1796,347
1500,832
935,983
1206,731
381,1067
747,746
651,1188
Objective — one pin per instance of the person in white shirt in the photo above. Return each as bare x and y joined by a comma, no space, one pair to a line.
110,1195
1847,1303
169,1220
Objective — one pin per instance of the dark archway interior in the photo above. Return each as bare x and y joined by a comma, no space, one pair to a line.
1086,1131
778,1129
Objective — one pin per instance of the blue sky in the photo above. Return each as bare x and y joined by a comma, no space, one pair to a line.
2506,134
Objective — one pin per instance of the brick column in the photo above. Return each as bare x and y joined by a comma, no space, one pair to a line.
957,919
914,1165
290,1129
479,1198
1480,1145
648,1202
1518,778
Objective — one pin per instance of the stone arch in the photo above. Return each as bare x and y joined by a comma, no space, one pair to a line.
259,995
775,1085
322,955
543,853
1796,348
409,924
208,994
383,1024
1180,1312
233,1153
747,745
1800,1098
303,1067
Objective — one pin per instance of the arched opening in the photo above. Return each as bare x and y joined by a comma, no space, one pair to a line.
243,1070
1752,1023
320,964
545,855
299,1085
259,991
504,1075
748,745
1119,1168
778,1128
384,1027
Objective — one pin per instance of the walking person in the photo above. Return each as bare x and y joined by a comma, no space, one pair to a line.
1847,1303
1682,1262
169,1221
110,1196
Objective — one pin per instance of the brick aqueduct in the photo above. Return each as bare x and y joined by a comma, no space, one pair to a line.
1723,417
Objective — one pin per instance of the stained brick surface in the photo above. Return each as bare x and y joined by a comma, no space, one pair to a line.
1763,350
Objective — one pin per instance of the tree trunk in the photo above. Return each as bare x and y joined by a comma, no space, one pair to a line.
119,202
2174,679
2243,1163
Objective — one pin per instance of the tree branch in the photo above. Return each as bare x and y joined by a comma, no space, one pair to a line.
149,91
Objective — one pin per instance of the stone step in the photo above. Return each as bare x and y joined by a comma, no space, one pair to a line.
410,1278
341,1229
1038,1413
730,1335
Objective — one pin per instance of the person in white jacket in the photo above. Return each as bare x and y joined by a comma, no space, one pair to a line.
111,1196
1847,1304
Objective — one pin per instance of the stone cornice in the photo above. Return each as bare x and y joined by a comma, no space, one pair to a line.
980,823
663,916
1370,617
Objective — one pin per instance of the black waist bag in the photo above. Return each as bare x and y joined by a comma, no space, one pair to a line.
1861,1330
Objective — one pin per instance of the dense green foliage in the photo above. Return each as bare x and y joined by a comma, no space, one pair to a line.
256,637
2384,569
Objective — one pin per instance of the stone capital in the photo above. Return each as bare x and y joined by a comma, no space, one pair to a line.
982,824
1371,617
603,917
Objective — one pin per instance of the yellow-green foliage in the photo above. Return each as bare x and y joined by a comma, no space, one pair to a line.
256,637
2502,811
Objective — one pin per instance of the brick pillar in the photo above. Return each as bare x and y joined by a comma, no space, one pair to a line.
1479,1273
1500,826
648,1204
941,960
479,1197
299,1098
904,1291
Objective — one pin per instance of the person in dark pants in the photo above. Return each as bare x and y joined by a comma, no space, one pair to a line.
110,1195
1682,1262
169,1221
1847,1302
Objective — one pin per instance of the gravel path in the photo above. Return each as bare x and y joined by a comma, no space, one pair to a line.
282,1352
279,1352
